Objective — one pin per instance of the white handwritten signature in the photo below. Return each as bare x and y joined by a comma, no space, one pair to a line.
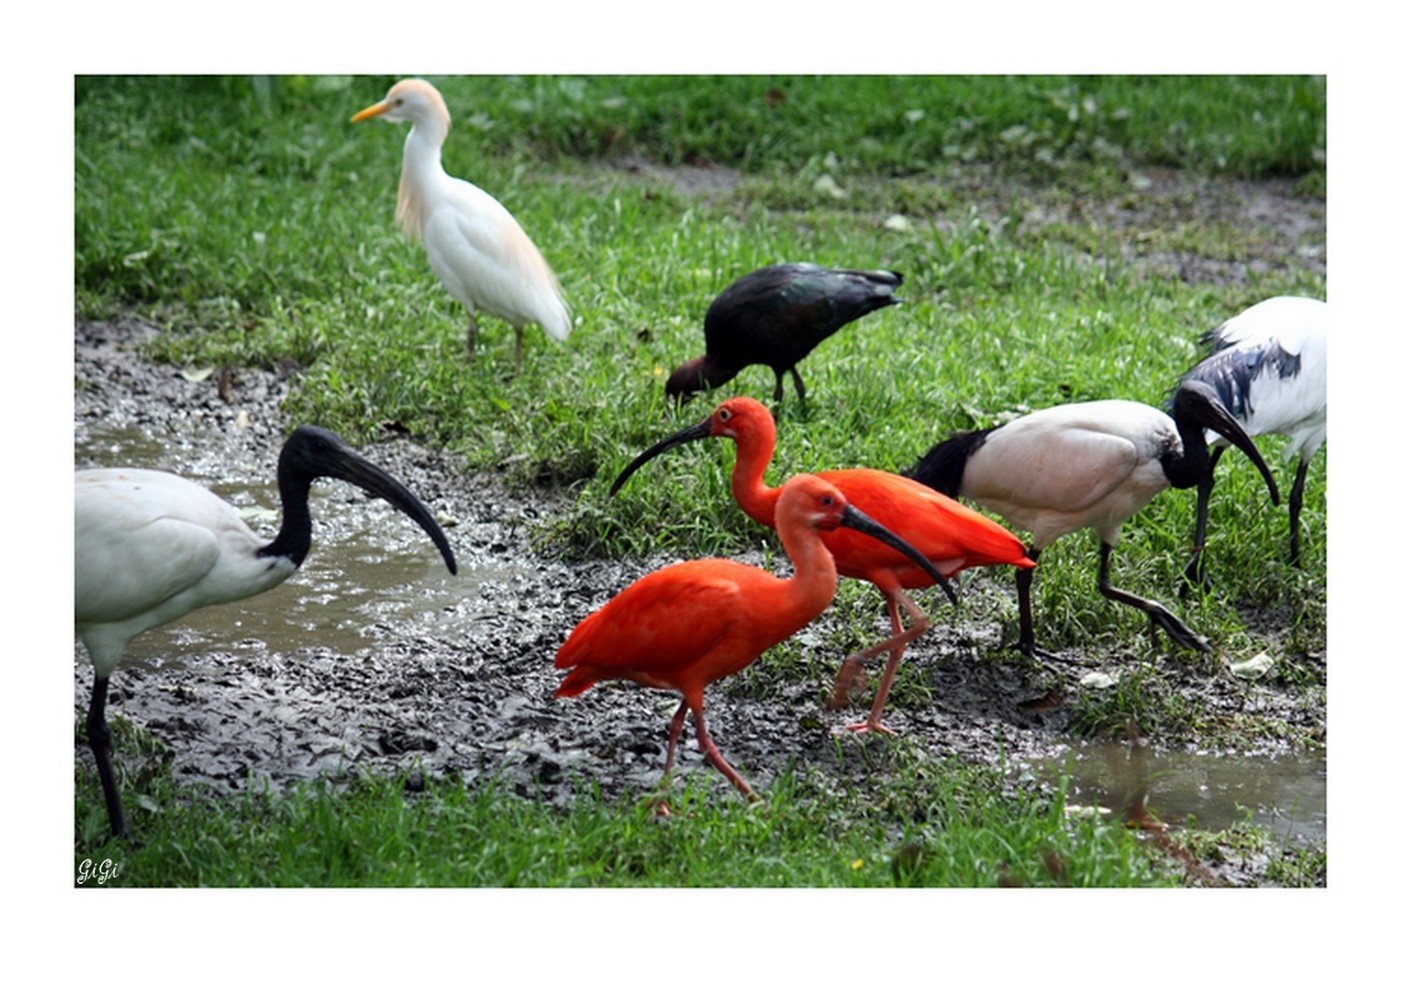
104,871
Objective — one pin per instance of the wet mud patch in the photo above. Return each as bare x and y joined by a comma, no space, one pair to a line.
455,677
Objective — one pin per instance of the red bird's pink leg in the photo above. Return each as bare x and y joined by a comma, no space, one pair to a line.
677,721
852,674
895,646
716,758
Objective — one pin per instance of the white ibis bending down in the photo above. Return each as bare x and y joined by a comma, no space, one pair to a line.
150,547
475,247
1269,367
1087,465
775,316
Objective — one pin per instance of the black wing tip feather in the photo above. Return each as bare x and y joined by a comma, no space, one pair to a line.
941,468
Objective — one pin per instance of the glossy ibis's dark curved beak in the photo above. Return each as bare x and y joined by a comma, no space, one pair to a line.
1215,416
856,520
695,432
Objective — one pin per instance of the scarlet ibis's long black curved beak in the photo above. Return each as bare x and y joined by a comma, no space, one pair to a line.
855,519
695,432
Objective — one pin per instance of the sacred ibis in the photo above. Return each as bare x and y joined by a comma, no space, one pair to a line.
150,547
1269,367
1087,465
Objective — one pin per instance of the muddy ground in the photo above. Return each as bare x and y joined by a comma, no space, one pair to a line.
465,686
470,691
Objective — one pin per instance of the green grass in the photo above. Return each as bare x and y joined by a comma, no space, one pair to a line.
924,823
250,220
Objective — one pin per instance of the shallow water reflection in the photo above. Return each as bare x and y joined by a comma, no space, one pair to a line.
369,567
1285,794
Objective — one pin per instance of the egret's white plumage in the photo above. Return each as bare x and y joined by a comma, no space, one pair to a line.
1086,465
475,246
150,547
1269,367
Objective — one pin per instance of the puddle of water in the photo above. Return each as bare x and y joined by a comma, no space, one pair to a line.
369,565
1285,794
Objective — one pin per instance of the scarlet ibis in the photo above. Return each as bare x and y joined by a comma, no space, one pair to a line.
694,622
775,316
1087,465
150,547
475,247
948,534
1269,367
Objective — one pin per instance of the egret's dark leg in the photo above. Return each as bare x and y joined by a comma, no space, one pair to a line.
1296,506
1156,613
100,739
471,333
1193,570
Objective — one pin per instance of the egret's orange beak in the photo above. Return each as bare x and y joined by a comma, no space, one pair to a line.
373,111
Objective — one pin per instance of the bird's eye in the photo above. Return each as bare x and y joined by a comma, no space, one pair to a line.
827,500
725,414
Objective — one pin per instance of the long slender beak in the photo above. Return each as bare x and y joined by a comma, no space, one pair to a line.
1219,419
855,519
373,111
695,432
372,479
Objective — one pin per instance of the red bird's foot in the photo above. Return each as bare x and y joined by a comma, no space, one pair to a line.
870,727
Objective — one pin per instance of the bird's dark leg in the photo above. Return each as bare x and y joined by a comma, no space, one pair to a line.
721,764
1296,506
1157,614
1026,642
520,338
100,739
802,389
471,333
1193,571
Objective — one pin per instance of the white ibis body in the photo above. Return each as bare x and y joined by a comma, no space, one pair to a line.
1087,465
475,246
775,316
1269,367
150,547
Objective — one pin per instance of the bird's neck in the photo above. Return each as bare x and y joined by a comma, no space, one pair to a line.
423,168
293,539
1187,469
747,480
813,584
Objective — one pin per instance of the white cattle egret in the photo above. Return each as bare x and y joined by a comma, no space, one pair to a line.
150,547
775,316
475,247
1087,465
1269,367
